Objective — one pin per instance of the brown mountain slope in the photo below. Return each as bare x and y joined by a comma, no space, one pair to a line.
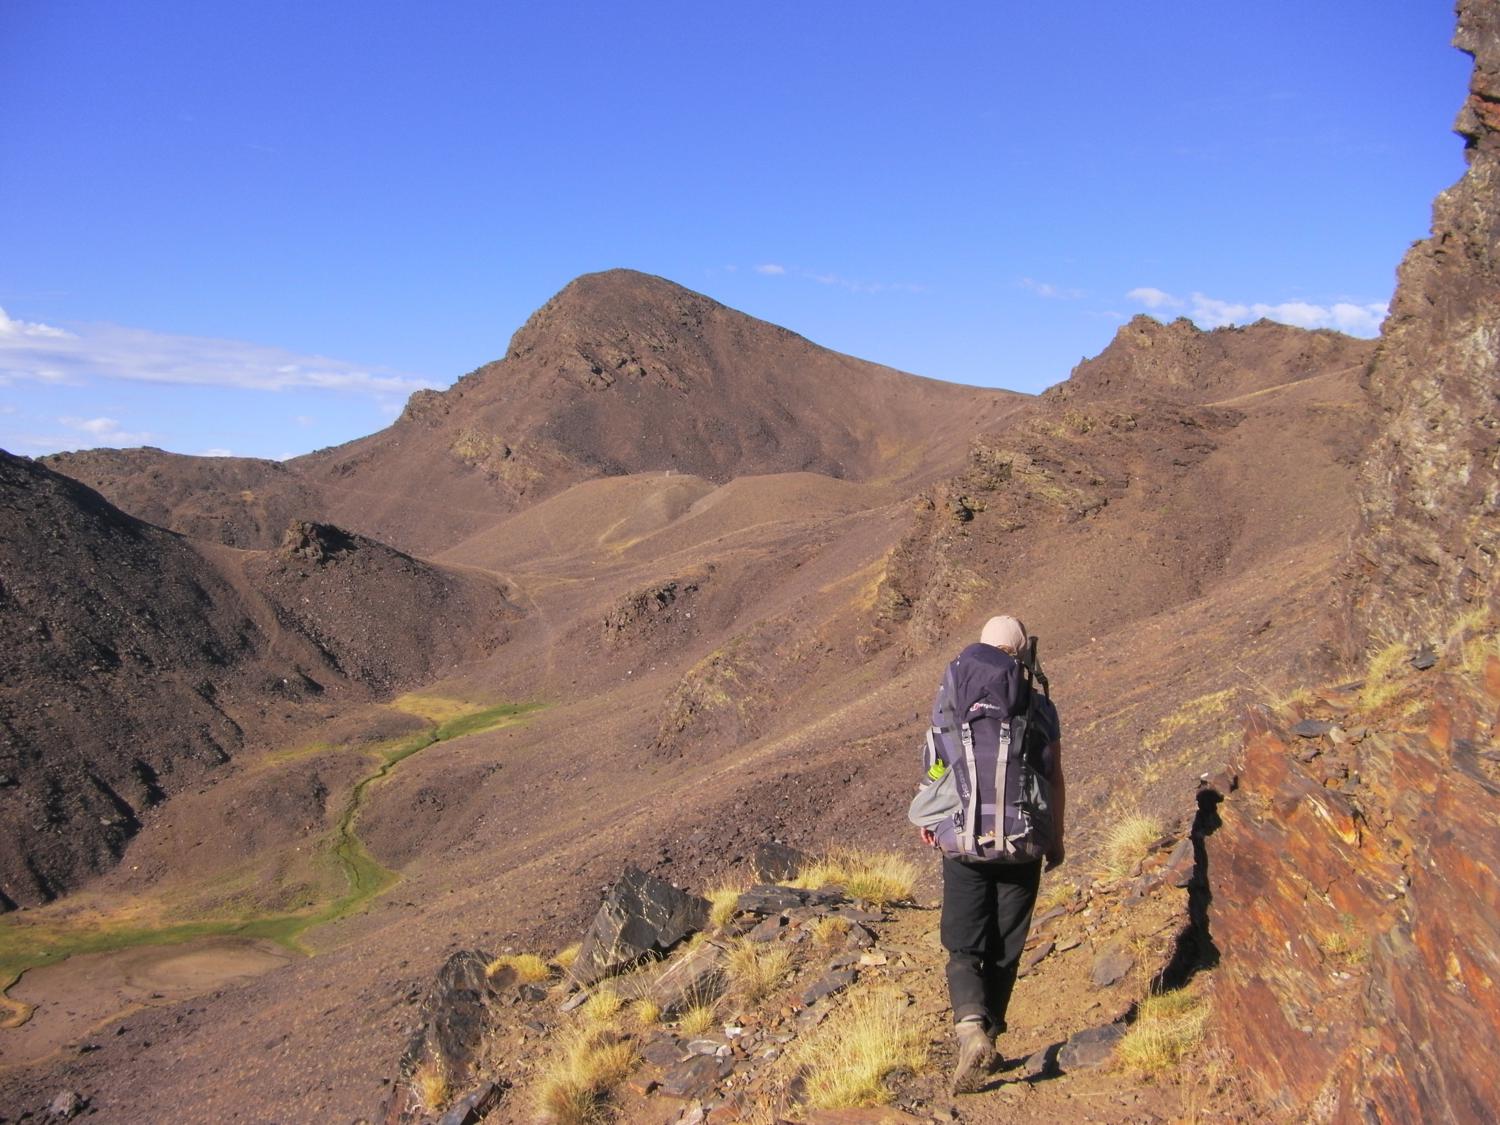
237,501
134,663
620,372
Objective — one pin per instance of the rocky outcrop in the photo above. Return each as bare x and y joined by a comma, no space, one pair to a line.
1184,363
1353,879
1352,898
641,916
1430,546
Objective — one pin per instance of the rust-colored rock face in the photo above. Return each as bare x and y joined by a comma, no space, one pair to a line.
1429,549
1357,907
1356,877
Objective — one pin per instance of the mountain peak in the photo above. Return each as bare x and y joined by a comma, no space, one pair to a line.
1181,361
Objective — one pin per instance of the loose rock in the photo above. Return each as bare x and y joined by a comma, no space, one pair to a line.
1090,1048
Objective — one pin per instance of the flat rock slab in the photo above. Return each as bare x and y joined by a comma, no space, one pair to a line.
768,928
1111,966
1181,863
694,1078
664,1051
1035,957
1312,728
829,984
640,916
474,1106
1043,1063
697,977
1090,1048
772,898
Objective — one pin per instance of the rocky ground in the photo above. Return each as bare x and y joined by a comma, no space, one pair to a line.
1097,949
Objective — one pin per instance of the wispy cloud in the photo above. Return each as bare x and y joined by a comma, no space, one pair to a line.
1153,298
838,281
1050,291
1212,312
106,431
217,453
41,353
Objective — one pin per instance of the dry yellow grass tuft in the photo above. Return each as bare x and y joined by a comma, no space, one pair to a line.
830,929
1127,842
430,1081
1348,944
574,1085
1054,893
565,957
848,1058
721,904
603,1007
528,966
646,1012
1167,1028
697,1019
1385,676
877,877
757,969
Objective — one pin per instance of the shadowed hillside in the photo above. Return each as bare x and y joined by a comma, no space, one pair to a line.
136,663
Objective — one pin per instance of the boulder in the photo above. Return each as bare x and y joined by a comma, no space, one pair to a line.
641,916
1090,1048
454,1019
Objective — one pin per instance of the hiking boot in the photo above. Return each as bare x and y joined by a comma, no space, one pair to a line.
976,1057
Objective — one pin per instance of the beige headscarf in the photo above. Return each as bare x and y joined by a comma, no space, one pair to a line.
1004,632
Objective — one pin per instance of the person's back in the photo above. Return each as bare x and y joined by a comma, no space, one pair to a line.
993,830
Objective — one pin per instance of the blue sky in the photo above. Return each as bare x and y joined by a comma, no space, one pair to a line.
256,228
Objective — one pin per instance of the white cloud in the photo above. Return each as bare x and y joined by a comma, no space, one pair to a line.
217,453
302,419
1212,312
18,329
857,286
7,408
1153,298
1050,291
1360,320
771,269
40,353
106,431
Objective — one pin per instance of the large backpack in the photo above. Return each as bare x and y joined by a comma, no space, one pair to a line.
1001,814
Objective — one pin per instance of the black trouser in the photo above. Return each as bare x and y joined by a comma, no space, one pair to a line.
986,913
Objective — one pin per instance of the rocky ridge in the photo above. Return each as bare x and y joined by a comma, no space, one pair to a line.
1354,874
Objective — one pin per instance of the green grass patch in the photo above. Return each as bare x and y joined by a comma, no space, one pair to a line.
28,943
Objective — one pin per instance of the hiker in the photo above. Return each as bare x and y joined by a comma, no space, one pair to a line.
993,727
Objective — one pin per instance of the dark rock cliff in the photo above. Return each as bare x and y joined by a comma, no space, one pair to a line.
1429,547
1354,877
